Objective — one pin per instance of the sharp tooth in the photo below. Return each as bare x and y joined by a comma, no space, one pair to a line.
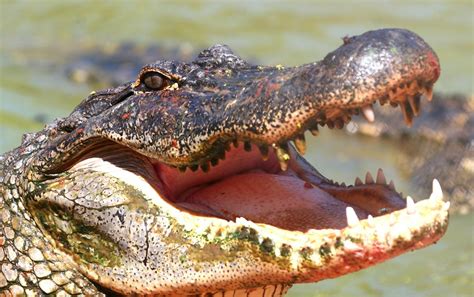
352,218
283,165
330,124
205,167
221,155
429,93
235,142
300,143
391,185
415,104
358,182
182,168
314,130
381,177
370,220
407,113
343,184
339,123
194,167
264,151
368,178
411,209
437,193
247,146
283,156
368,113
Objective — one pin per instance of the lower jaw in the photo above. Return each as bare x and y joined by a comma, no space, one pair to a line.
288,256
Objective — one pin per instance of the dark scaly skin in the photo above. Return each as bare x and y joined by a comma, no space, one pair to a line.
62,224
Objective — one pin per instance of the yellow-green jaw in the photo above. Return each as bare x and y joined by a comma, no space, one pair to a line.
125,237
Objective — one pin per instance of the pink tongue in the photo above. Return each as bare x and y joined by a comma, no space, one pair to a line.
279,200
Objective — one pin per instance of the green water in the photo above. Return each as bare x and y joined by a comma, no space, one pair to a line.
36,36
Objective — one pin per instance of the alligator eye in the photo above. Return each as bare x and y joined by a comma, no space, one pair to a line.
155,81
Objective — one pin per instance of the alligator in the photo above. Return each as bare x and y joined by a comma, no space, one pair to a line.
190,180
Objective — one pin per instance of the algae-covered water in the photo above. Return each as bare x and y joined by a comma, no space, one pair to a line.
37,37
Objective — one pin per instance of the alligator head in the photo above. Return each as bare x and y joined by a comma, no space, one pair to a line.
184,181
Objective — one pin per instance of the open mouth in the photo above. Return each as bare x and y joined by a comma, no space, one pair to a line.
272,185
275,205
298,198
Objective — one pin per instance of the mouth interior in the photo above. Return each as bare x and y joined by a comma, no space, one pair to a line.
297,199
281,189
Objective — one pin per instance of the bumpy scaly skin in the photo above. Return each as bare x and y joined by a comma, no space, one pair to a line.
64,229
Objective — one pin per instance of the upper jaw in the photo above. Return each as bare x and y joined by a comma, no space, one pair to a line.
267,106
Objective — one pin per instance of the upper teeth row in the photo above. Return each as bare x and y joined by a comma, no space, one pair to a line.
408,98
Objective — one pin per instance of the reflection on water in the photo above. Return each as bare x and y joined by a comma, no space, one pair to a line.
38,37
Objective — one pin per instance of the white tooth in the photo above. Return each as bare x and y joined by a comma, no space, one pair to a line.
381,177
368,178
437,193
370,220
446,206
411,209
352,218
368,113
